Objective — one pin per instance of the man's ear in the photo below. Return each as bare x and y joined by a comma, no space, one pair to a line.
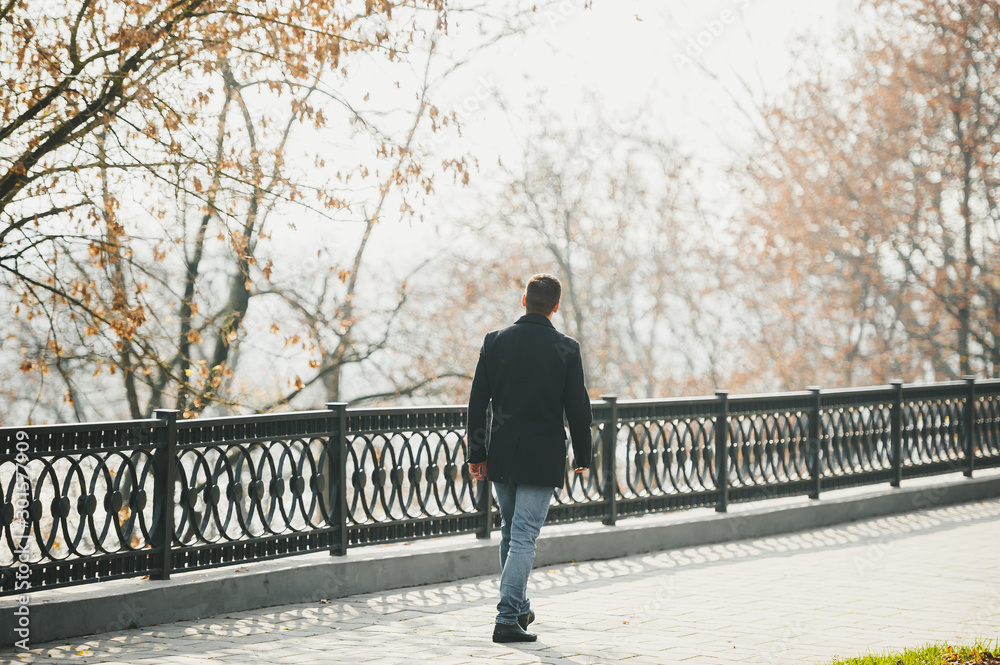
556,308
524,300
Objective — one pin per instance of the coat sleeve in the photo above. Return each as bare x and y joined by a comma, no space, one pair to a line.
479,400
576,402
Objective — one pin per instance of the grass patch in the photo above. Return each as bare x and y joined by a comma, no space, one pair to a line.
981,651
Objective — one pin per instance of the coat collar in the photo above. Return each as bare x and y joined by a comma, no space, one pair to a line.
535,318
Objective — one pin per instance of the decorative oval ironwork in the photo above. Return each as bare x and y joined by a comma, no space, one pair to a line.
254,487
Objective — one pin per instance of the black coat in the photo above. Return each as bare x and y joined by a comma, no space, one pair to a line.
528,375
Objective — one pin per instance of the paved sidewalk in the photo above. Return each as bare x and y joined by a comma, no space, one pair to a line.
808,597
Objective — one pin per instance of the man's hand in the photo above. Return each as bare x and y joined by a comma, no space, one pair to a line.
478,470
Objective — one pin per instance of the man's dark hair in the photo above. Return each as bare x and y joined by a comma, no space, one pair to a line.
542,294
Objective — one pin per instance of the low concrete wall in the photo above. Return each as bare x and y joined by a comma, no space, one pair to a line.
118,605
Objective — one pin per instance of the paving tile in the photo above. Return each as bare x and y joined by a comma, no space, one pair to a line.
804,598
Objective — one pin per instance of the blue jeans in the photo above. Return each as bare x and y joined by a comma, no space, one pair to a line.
522,511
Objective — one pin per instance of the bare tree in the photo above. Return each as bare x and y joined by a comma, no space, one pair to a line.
147,204
874,225
614,214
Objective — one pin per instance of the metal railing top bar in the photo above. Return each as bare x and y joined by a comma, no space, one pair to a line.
770,403
283,416
243,429
989,386
944,390
98,426
601,410
771,397
81,438
660,409
401,419
372,420
406,410
660,401
857,393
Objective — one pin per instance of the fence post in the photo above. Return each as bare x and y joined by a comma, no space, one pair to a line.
163,494
815,445
969,425
609,460
337,483
722,451
897,433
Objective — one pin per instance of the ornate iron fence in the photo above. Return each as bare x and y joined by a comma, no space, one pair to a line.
100,501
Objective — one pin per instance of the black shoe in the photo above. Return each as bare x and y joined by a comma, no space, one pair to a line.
526,619
503,632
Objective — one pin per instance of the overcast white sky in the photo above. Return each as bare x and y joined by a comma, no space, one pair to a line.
644,53
632,56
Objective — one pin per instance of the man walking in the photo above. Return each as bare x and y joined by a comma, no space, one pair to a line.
529,374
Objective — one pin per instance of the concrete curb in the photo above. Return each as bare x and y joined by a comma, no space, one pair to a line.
119,605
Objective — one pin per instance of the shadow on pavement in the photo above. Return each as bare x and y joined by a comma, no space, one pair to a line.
414,624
